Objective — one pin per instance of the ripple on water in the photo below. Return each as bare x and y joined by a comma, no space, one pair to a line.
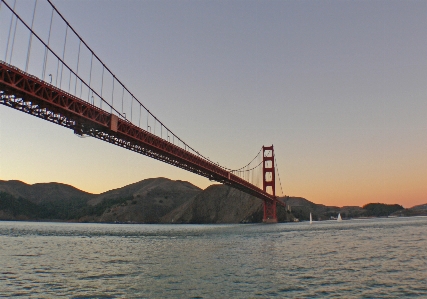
353,259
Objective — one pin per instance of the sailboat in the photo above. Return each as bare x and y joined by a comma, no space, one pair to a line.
311,219
339,217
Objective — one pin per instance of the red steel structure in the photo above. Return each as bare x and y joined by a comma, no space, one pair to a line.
29,94
269,184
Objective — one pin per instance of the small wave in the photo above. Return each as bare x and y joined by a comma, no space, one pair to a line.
37,254
102,276
93,297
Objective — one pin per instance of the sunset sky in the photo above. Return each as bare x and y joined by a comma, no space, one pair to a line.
339,88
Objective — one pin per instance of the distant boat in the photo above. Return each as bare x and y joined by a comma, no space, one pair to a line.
311,219
339,217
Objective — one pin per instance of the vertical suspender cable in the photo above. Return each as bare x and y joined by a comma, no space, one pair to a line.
69,82
63,55
45,49
57,71
77,70
31,37
13,38
63,64
90,77
123,94
28,27
81,88
112,96
69,79
140,107
131,109
10,29
102,86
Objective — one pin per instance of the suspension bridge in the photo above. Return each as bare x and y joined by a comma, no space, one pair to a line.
47,70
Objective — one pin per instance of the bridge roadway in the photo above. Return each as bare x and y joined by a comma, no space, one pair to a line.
29,94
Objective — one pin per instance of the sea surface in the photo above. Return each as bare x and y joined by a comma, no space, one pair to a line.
375,258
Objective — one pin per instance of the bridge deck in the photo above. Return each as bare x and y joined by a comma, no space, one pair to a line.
29,94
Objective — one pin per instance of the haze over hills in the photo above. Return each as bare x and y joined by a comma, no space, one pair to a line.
161,200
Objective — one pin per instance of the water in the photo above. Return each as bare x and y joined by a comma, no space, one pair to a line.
380,258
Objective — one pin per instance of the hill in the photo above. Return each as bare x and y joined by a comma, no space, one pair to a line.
419,210
52,201
142,202
160,200
419,207
43,192
221,204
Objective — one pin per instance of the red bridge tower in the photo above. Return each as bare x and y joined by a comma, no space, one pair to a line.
269,184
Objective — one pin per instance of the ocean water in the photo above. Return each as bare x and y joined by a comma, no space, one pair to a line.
376,258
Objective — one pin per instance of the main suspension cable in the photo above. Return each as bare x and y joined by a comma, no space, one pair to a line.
246,170
232,170
57,57
125,88
104,68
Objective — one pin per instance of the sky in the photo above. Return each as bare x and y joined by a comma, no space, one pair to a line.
338,87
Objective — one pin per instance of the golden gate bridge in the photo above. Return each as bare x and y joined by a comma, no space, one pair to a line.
47,70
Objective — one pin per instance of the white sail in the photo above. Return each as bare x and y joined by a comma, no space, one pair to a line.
311,219
339,217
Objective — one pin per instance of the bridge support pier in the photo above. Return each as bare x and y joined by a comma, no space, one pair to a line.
269,211
269,184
